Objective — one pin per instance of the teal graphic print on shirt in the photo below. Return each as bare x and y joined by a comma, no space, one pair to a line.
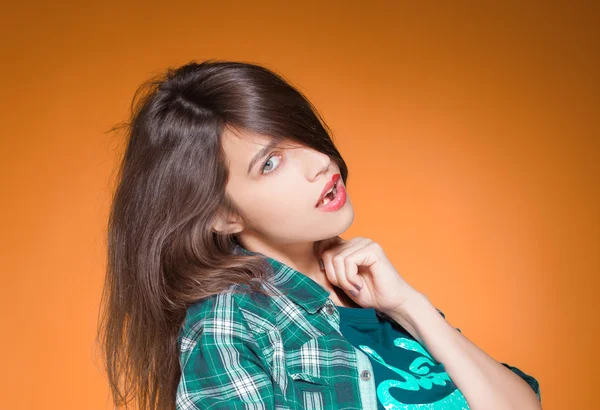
406,376
420,377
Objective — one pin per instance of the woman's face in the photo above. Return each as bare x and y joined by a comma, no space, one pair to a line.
277,192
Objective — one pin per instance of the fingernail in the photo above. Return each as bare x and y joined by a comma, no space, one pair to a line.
354,293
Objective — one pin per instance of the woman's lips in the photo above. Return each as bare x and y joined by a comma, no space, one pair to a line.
337,202
328,185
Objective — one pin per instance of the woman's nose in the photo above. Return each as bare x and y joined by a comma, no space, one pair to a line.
319,163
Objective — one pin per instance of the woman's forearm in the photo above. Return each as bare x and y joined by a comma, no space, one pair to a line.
485,383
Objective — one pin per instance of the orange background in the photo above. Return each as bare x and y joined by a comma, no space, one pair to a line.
471,133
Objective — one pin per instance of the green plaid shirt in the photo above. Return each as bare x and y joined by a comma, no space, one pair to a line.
284,352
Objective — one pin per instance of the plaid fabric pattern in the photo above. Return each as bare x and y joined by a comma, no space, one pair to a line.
284,352
255,352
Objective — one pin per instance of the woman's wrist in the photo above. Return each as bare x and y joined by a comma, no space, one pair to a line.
415,314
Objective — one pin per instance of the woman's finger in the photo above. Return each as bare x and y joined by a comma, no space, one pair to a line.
348,267
327,250
358,257
339,268
330,272
337,259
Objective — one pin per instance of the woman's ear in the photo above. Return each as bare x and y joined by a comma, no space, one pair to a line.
227,225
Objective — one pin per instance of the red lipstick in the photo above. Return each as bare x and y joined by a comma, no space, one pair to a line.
340,195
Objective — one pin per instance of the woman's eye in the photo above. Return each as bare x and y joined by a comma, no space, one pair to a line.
270,161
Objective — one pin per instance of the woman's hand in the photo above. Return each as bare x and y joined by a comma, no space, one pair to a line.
361,263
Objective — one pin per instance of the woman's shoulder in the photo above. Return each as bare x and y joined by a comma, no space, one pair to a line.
236,304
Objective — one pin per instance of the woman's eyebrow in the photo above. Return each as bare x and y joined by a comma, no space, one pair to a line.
262,153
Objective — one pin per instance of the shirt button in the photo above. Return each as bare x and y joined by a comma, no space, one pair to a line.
365,375
329,309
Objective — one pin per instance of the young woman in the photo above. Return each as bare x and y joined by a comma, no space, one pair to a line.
228,285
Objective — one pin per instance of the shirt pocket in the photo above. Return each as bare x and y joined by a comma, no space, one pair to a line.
308,382
310,373
306,391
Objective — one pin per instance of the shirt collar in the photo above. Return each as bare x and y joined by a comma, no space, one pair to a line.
300,288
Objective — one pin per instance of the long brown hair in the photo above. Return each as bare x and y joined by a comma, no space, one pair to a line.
163,254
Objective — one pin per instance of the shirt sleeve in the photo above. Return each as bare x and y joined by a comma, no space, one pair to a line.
222,367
